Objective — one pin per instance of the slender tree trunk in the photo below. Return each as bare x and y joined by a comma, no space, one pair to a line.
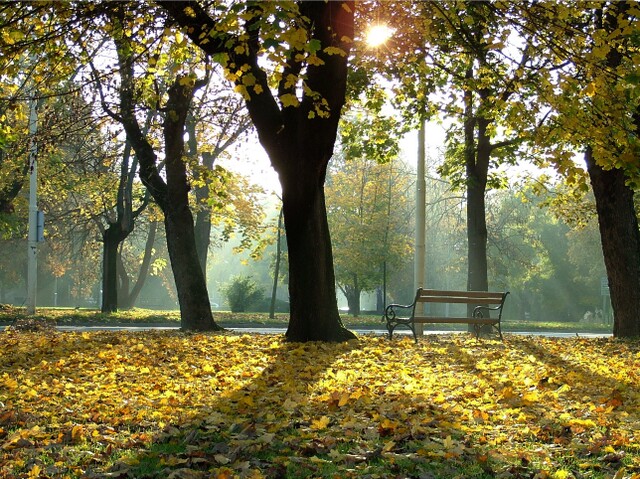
276,269
620,244
203,215
129,298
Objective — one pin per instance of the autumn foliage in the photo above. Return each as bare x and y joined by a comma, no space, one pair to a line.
222,405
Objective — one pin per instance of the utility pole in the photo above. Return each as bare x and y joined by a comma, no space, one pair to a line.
419,254
35,218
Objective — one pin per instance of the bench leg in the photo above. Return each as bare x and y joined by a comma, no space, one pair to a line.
413,330
476,329
392,327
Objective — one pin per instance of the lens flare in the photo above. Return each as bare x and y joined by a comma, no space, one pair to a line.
378,35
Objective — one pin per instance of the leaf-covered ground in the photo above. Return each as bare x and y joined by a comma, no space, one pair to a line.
176,405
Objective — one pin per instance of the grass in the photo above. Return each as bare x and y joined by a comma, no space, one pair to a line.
67,317
158,404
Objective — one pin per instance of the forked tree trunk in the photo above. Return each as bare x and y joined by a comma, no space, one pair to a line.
127,298
193,297
172,195
299,138
620,238
352,293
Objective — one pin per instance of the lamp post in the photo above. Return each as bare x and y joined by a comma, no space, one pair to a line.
420,246
376,36
35,218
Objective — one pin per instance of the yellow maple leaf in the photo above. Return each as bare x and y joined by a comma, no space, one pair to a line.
335,51
289,99
344,399
321,423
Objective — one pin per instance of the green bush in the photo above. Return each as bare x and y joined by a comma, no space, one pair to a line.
241,293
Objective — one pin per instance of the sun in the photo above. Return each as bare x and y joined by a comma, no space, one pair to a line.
378,35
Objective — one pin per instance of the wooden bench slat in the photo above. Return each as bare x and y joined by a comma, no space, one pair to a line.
462,294
453,320
457,299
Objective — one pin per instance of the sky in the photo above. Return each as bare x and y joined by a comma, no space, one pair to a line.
252,161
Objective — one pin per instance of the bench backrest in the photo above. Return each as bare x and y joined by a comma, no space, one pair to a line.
473,297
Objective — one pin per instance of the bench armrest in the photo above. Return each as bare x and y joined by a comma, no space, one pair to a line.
390,313
477,311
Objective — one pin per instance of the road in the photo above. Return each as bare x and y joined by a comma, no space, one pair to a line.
355,330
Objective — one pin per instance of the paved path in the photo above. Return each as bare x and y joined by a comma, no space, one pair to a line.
356,330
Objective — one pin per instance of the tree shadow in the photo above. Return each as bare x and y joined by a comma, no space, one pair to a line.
308,412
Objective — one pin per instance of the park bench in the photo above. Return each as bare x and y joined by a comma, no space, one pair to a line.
484,303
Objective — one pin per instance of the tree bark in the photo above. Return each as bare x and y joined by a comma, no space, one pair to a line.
172,195
276,269
299,139
128,298
620,238
112,236
312,294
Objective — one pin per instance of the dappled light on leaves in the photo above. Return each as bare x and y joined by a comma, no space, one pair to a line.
169,404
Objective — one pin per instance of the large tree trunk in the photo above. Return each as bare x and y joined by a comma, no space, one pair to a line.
312,293
477,154
620,244
617,217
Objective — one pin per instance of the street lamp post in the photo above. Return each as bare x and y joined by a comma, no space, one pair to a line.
420,246
34,216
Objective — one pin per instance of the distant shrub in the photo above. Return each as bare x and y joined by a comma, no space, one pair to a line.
242,292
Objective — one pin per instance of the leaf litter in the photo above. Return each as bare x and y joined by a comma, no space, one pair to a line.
225,405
